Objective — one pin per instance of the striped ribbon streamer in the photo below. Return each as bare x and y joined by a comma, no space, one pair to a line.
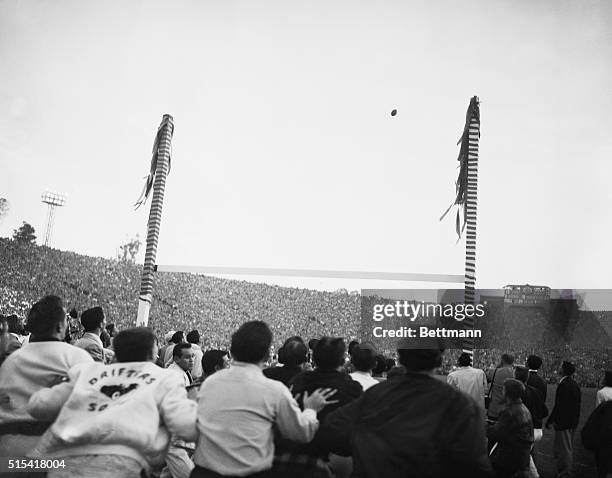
160,166
466,199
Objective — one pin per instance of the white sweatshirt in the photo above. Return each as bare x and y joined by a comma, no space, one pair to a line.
128,409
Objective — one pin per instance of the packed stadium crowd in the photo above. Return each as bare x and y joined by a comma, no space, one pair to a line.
107,401
216,306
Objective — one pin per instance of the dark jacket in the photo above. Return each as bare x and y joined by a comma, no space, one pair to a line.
513,433
566,412
282,374
597,436
538,383
347,391
533,401
412,425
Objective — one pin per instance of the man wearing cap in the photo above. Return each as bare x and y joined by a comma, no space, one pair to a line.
565,417
411,424
93,324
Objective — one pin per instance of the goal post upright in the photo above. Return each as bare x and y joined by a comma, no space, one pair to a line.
160,167
466,199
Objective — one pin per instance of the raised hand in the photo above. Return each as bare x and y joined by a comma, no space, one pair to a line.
318,399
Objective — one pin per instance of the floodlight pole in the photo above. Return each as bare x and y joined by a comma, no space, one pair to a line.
50,215
52,200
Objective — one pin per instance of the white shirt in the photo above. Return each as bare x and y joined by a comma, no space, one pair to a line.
196,371
603,395
34,366
175,368
471,381
365,379
238,410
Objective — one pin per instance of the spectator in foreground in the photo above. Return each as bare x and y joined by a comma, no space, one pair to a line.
363,360
107,343
597,436
177,338
213,361
179,457
238,409
183,359
348,365
195,340
114,420
605,394
292,356
14,337
565,417
162,351
498,377
533,364
512,433
471,381
179,464
43,362
380,368
532,399
411,424
309,461
93,324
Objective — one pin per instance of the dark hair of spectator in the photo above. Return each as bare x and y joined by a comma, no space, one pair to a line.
513,389
534,362
110,328
73,313
177,351
363,358
294,353
464,360
106,339
568,368
45,316
92,319
351,346
381,365
193,337
15,325
134,345
389,364
420,360
295,338
607,382
312,343
177,338
507,359
212,359
251,342
329,353
521,374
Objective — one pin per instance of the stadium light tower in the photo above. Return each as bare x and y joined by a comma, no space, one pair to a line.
53,200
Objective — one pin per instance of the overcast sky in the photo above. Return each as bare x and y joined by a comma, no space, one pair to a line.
285,152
